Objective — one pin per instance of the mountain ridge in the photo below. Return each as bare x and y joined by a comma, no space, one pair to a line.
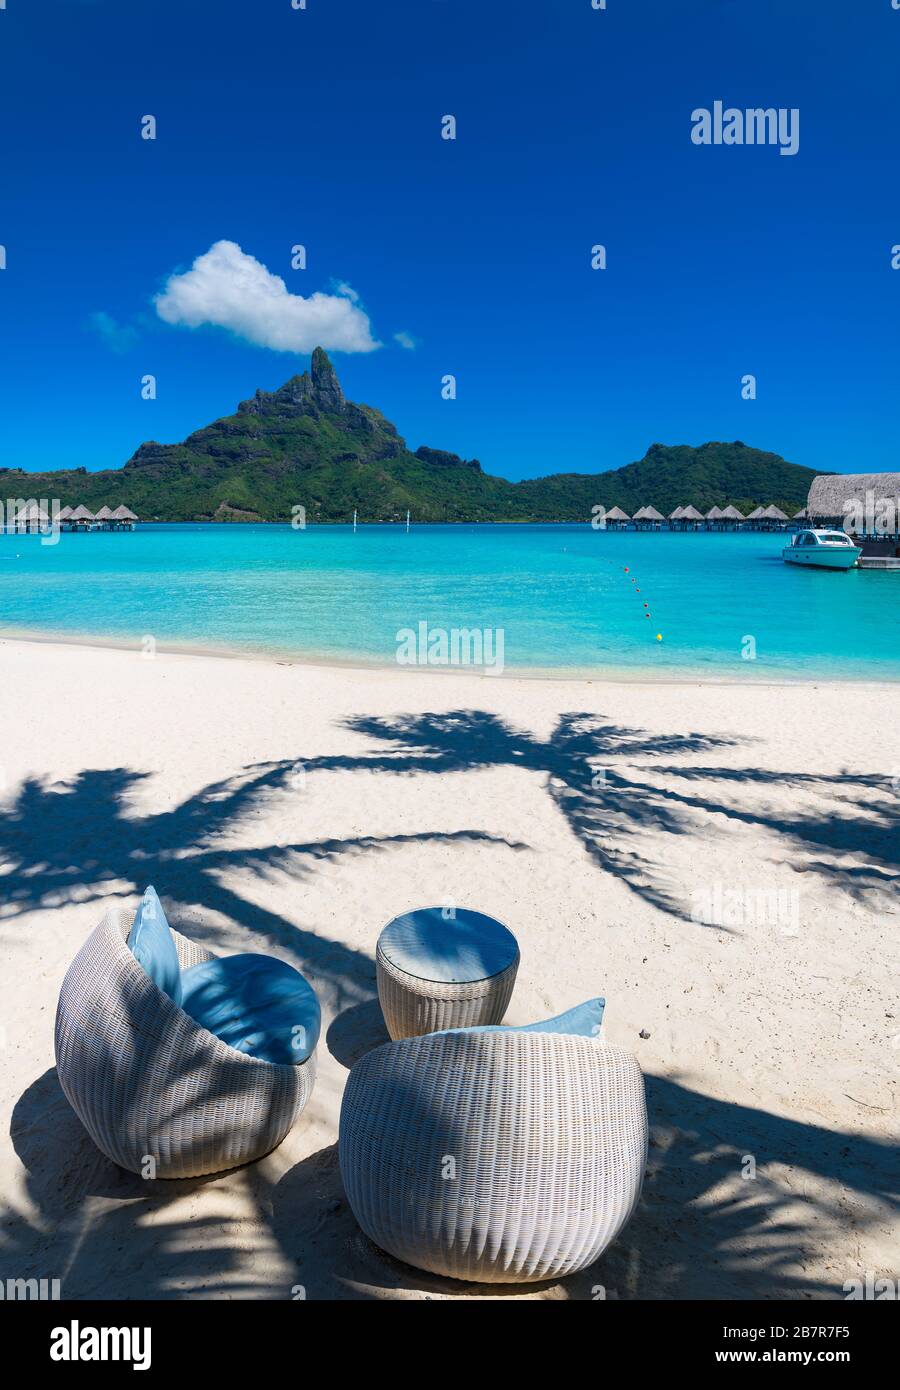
305,444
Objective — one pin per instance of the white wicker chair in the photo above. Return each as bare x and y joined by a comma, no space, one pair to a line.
504,1157
146,1081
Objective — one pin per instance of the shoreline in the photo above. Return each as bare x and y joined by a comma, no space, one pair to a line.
612,675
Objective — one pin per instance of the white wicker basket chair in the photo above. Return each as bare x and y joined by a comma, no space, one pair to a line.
502,1156
147,1082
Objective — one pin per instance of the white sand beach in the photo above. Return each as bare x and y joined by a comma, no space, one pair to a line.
295,809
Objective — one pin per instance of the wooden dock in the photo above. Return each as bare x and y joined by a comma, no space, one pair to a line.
879,562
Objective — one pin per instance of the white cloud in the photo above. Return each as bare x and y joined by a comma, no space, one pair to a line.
341,287
406,340
119,337
232,290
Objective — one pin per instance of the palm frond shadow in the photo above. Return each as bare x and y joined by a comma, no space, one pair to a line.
700,1230
81,842
604,779
596,774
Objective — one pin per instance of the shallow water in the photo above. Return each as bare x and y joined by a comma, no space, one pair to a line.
725,605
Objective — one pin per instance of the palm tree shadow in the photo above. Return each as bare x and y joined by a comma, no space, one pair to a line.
737,1202
596,774
702,1230
603,779
80,841
104,1232
709,1225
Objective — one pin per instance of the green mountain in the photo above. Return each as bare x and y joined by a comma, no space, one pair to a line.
305,445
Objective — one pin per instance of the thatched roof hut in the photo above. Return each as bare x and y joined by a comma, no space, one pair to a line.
33,514
65,514
690,513
124,514
863,502
730,513
714,514
81,514
614,514
676,515
651,514
774,514
104,514
802,515
756,514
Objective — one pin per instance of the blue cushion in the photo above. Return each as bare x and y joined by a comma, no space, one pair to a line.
152,944
256,1004
583,1021
431,944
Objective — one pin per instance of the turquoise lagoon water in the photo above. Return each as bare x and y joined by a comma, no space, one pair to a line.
560,594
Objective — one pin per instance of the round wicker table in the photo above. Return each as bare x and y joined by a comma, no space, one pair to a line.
444,968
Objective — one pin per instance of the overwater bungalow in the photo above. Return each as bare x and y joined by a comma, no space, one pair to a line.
864,504
34,517
30,518
773,519
123,519
691,519
648,519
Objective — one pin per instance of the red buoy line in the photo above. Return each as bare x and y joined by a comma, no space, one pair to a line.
646,605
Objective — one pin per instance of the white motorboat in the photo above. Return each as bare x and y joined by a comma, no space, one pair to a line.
828,550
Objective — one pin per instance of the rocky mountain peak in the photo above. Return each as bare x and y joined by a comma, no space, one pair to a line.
325,382
316,390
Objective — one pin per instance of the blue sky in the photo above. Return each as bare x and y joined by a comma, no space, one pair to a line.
322,127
